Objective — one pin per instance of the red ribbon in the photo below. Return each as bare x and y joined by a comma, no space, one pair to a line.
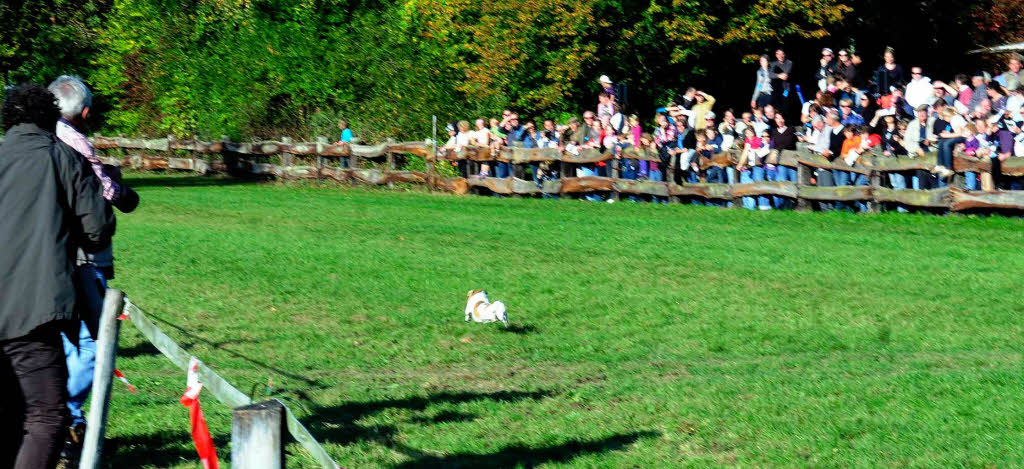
200,432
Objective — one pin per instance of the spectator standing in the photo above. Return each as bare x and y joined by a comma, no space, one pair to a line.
482,137
849,116
346,138
762,84
783,138
826,68
979,91
920,90
889,74
92,270
962,92
781,69
607,86
689,98
549,137
727,129
750,169
1011,78
605,105
683,148
55,204
847,70
942,92
513,137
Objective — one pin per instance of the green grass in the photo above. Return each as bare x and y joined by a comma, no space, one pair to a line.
643,335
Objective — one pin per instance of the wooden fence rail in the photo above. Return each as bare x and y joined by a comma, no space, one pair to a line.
254,158
220,388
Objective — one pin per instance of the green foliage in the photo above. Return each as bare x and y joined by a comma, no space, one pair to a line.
41,39
271,68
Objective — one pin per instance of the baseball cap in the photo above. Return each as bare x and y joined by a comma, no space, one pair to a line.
605,79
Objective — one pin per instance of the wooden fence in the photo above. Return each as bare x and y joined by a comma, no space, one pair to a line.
318,161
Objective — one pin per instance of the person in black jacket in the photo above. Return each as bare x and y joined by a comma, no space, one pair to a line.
780,71
52,205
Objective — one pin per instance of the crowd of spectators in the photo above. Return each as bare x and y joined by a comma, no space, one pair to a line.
892,111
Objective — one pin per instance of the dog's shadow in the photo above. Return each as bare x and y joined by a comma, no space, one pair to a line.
520,329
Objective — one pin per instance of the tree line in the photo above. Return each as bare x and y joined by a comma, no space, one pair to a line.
270,68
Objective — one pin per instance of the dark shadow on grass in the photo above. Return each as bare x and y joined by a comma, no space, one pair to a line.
162,449
222,347
445,417
337,424
520,329
167,180
142,349
520,456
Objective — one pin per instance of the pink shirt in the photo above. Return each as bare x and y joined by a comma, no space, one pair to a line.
68,134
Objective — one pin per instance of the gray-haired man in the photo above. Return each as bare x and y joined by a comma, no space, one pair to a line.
92,269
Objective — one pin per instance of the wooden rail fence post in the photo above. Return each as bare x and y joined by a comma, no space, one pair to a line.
320,143
614,167
257,436
287,159
106,354
391,162
803,178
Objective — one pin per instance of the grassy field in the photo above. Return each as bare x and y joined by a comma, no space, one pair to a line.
642,336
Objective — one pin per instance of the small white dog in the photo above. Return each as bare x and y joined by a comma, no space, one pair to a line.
480,308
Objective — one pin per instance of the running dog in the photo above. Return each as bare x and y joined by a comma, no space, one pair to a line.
480,309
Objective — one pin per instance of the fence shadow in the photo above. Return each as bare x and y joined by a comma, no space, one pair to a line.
160,449
337,424
140,180
141,349
192,338
520,456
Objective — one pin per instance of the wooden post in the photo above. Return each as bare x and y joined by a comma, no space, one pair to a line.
670,177
876,181
353,159
287,159
256,436
106,354
613,165
429,161
320,143
803,178
391,162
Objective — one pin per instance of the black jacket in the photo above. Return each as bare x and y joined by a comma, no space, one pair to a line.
52,204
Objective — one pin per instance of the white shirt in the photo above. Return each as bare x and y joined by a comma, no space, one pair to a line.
461,140
481,137
920,91
1014,104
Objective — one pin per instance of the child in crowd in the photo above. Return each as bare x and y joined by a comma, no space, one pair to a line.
481,137
704,151
750,169
977,146
629,168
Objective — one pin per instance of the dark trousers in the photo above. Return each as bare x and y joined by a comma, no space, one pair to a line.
33,399
945,153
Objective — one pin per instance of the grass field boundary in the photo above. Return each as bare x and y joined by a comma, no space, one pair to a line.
218,386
